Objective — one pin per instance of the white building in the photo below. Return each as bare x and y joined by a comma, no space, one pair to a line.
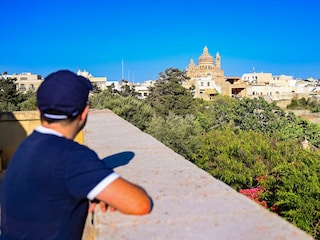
206,86
114,85
143,88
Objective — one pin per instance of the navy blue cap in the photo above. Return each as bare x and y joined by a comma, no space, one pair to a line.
63,94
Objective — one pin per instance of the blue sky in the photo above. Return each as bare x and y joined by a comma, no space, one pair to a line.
277,36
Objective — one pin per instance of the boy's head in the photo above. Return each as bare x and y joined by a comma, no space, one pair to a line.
62,95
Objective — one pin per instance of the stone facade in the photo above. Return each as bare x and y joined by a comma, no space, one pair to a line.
207,78
27,81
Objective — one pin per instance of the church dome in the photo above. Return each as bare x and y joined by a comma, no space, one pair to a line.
205,57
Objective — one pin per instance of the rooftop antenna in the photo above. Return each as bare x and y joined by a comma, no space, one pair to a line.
122,73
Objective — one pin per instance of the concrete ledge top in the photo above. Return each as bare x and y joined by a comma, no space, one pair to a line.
19,116
188,202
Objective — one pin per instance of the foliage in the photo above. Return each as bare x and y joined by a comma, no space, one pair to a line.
9,96
168,95
177,132
29,101
128,91
295,127
292,187
302,103
236,158
130,108
96,88
216,113
289,174
13,100
7,107
258,115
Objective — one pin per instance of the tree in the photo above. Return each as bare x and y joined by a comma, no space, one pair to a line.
135,111
128,91
168,94
28,101
96,88
235,157
292,187
257,114
9,95
217,113
177,132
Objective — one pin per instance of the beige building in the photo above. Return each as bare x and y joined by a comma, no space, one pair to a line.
27,81
257,78
236,87
279,87
207,78
283,80
100,82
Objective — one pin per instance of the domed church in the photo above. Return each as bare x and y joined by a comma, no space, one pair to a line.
207,78
207,66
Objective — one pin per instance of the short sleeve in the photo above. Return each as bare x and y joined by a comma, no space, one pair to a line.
84,171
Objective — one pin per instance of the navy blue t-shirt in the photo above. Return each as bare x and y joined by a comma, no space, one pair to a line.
46,188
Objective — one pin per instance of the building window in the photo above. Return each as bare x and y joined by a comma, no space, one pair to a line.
31,87
22,87
208,84
201,84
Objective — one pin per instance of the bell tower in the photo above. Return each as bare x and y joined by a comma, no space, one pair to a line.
218,62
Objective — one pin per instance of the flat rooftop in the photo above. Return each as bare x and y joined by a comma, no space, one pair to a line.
188,202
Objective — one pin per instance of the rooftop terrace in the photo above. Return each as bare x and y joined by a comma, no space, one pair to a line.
188,202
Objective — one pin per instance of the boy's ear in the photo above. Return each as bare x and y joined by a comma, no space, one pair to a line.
85,112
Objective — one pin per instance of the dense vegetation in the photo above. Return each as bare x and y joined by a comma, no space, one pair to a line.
12,100
299,104
252,145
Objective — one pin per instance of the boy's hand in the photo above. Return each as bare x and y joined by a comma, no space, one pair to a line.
103,206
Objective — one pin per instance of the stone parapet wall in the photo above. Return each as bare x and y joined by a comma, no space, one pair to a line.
188,202
14,127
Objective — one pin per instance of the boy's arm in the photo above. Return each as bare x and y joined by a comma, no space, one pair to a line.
126,197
